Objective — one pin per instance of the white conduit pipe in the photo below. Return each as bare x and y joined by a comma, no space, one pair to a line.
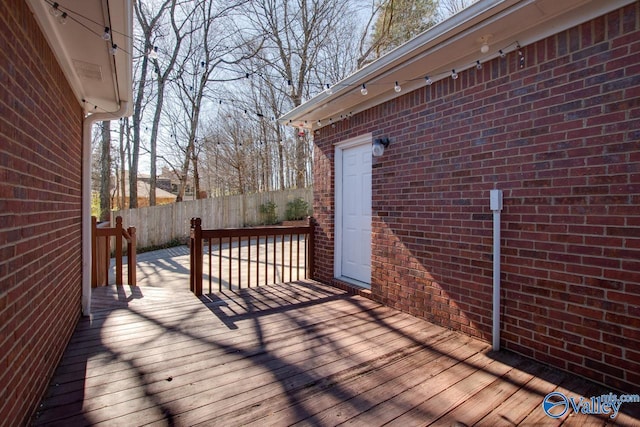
86,199
496,207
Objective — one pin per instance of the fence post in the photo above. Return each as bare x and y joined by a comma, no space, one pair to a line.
131,256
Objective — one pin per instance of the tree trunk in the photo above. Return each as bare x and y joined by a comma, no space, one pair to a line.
196,176
105,171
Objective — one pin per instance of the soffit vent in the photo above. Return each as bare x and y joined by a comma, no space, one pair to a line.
87,70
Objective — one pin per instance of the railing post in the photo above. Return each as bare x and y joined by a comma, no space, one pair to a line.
196,256
131,256
119,250
311,254
192,255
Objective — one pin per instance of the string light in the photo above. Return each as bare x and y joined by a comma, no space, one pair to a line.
428,80
364,90
520,54
153,53
63,15
328,89
454,75
397,88
478,65
55,11
502,54
114,49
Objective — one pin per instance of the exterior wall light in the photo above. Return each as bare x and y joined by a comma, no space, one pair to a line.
379,145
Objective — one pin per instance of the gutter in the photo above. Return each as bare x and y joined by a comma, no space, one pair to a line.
87,126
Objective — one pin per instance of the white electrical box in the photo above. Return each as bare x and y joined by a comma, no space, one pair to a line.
495,197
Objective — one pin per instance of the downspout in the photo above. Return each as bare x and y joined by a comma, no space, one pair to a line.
87,125
496,207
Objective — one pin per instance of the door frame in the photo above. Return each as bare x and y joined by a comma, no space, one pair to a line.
340,147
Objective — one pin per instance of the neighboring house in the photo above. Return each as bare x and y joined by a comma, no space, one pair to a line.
144,189
56,78
553,122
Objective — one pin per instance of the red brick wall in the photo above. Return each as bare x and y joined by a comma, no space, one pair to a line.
40,202
561,138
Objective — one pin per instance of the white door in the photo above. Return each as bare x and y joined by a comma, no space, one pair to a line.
356,213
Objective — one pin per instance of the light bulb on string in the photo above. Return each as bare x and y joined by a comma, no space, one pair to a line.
478,65
364,90
397,88
55,11
106,36
520,55
502,54
454,75
62,19
428,80
153,53
328,89
114,49
485,47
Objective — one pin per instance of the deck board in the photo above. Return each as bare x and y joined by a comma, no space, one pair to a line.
298,353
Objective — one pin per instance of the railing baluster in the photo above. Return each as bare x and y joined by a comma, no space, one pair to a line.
219,264
282,235
210,273
258,262
266,259
290,257
298,257
275,257
230,261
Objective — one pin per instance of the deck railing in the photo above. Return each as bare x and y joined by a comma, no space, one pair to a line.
250,256
101,252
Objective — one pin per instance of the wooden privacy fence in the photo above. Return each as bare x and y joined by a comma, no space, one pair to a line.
246,256
159,225
101,252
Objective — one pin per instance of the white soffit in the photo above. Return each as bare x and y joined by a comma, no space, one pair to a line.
452,44
101,79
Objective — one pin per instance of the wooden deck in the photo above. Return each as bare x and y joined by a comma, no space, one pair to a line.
298,353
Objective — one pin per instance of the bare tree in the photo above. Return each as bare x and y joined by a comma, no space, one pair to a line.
211,45
296,33
447,8
149,21
105,171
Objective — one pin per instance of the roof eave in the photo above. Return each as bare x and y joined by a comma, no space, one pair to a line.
107,94
443,41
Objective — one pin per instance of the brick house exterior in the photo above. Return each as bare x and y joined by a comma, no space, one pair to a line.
40,220
560,135
41,211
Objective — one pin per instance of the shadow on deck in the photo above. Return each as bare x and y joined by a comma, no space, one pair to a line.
284,354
